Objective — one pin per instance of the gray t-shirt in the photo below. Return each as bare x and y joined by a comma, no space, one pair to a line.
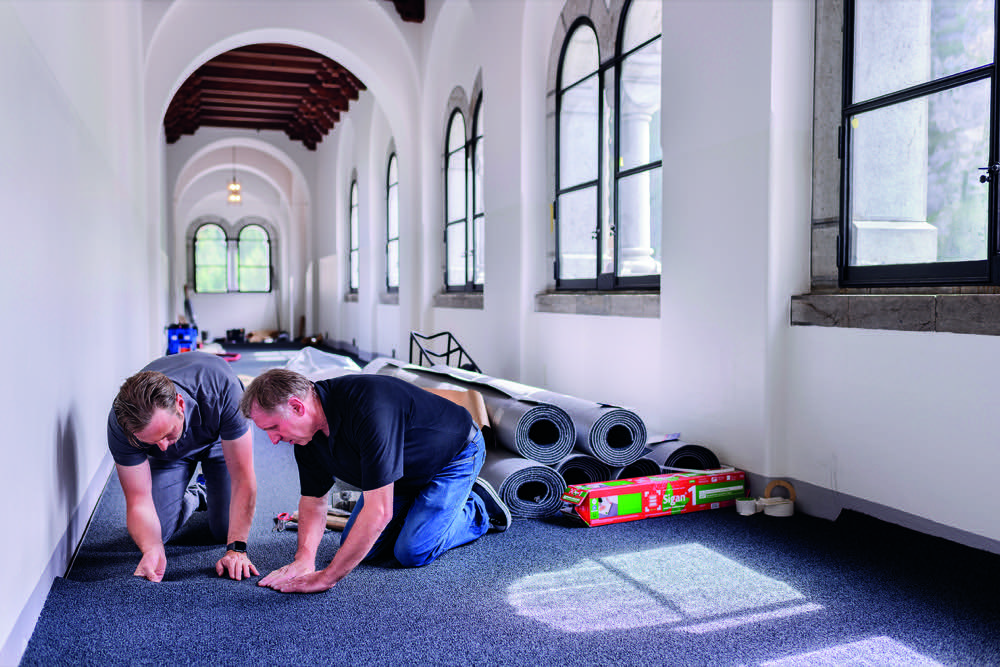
211,393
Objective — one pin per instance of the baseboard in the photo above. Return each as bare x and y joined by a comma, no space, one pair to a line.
824,503
62,556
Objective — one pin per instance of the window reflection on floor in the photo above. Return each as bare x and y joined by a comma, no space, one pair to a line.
877,651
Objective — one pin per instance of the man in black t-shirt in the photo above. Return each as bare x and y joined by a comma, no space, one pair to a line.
414,454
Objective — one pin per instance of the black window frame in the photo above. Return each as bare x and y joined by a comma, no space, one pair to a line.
389,240
353,244
611,66
942,273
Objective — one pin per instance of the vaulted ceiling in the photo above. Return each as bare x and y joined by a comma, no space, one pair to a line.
270,87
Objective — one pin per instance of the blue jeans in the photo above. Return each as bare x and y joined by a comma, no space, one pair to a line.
443,515
175,500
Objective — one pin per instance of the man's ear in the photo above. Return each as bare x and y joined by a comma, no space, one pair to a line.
180,404
297,406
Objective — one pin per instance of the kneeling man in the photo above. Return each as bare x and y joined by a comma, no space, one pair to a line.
177,412
414,455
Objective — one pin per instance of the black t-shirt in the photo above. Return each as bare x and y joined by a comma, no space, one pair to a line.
382,430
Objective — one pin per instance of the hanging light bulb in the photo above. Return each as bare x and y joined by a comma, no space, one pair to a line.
234,196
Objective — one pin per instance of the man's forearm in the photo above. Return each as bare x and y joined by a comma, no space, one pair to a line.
242,504
312,524
144,526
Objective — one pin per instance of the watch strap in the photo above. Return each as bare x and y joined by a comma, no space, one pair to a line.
238,546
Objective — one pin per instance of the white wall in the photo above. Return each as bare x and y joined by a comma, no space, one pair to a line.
75,272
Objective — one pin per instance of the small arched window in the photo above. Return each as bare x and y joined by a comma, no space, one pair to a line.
211,260
354,255
456,215
392,226
254,259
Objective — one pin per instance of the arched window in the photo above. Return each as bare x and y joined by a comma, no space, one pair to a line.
254,260
456,208
578,135
477,266
392,226
354,255
608,154
211,259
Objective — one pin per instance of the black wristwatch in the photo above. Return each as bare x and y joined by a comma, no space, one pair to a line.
240,547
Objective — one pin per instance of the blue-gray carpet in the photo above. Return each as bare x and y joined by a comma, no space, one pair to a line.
709,588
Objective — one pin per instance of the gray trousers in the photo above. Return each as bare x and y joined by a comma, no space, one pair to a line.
176,497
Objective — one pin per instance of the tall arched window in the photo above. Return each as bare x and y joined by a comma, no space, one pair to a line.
477,266
253,260
392,226
211,259
608,156
354,255
456,213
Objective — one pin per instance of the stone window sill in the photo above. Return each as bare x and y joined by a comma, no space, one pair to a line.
614,304
468,300
942,312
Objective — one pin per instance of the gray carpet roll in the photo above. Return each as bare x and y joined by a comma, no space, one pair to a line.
683,455
531,429
615,435
642,467
578,468
531,490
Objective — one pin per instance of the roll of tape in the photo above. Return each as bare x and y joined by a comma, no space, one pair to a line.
776,506
783,484
746,506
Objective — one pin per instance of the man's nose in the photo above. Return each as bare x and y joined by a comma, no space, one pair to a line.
275,438
163,444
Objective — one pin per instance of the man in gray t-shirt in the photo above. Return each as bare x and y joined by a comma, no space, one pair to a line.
177,412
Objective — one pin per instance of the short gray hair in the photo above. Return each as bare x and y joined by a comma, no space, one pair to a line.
271,390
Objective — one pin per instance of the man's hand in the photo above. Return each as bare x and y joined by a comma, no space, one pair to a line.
153,564
314,582
283,574
236,564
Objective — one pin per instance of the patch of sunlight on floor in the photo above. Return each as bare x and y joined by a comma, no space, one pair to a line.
681,585
877,651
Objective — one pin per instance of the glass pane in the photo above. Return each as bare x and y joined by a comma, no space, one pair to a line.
210,259
254,279
355,271
640,206
477,176
392,263
456,255
577,226
456,185
915,190
901,43
578,124
210,279
392,213
581,58
392,179
354,228
479,227
640,107
456,132
644,21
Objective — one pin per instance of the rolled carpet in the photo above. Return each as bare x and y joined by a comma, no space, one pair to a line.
531,429
529,489
580,468
642,467
682,455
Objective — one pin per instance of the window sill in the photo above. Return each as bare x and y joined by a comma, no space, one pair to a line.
389,298
467,300
946,312
614,304
351,297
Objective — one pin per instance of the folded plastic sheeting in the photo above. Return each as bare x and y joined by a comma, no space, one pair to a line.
531,490
580,468
528,428
678,454
615,435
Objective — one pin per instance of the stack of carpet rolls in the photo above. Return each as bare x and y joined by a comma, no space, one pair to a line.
539,441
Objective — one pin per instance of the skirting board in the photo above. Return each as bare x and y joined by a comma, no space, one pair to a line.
62,556
824,503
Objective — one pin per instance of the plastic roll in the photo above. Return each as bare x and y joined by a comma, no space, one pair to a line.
529,489
580,468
